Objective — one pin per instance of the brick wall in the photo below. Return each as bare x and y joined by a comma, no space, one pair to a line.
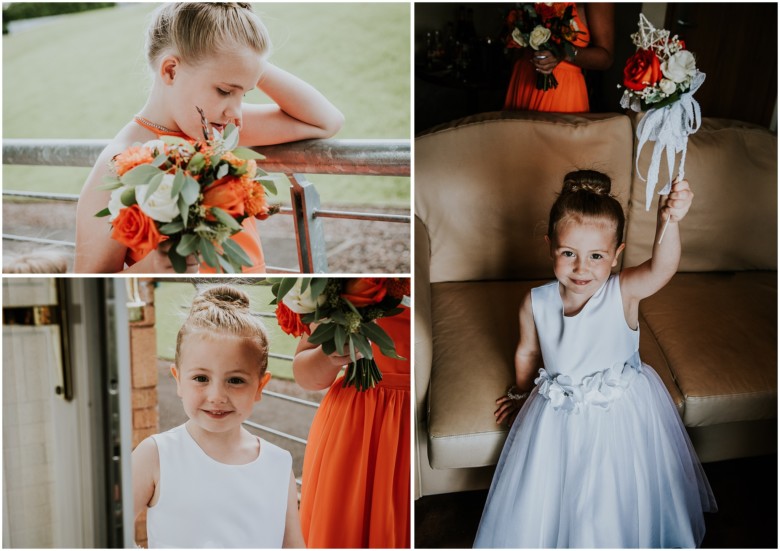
143,360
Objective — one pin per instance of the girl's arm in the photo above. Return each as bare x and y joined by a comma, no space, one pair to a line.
649,277
599,53
293,537
300,111
146,472
527,358
312,368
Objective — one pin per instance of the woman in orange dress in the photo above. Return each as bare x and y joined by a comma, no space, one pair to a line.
593,50
356,470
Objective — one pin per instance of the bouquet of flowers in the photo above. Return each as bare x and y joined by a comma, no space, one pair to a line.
544,26
191,196
661,78
344,311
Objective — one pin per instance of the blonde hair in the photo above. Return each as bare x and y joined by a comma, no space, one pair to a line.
194,30
40,262
225,309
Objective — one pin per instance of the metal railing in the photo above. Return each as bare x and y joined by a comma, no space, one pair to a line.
294,160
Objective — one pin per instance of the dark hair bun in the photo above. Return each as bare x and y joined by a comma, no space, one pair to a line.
587,180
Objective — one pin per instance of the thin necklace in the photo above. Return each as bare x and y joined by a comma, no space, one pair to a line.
155,125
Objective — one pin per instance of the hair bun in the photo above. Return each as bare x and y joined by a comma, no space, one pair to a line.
587,180
221,296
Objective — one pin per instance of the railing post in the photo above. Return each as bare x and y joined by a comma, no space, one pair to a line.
312,252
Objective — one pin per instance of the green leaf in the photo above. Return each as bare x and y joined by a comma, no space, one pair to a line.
222,170
245,153
227,266
318,285
269,184
154,183
128,197
328,348
340,338
179,262
179,180
102,213
142,174
109,186
285,286
197,163
178,142
377,335
236,252
191,190
184,210
362,345
188,244
230,137
172,227
159,160
226,219
324,332
305,283
209,253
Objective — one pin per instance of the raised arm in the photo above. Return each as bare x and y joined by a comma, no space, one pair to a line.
300,111
649,277
527,360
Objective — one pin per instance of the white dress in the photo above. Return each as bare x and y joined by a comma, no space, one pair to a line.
598,455
207,504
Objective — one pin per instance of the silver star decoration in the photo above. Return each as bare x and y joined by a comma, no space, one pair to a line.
648,35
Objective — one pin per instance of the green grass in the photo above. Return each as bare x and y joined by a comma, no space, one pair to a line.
173,300
84,76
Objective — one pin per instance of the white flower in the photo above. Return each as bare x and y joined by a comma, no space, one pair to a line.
302,303
159,145
679,67
539,36
160,206
115,203
517,36
667,86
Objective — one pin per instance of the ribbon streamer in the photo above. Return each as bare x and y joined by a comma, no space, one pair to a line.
669,127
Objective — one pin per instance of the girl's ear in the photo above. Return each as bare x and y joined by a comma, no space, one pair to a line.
617,254
175,373
261,385
168,67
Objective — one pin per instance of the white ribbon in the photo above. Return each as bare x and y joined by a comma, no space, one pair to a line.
669,127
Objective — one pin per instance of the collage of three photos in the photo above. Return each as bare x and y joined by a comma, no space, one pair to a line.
389,275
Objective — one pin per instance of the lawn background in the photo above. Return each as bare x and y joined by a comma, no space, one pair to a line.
84,76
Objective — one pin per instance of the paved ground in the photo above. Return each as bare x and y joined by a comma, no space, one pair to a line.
272,412
353,246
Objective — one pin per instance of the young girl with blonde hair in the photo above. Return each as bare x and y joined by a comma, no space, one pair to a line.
598,455
210,482
207,56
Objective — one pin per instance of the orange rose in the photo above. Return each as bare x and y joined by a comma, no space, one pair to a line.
131,158
642,70
363,291
290,322
228,194
136,231
554,10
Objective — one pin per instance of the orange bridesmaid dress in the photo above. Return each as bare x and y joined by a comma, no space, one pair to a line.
356,470
248,239
571,95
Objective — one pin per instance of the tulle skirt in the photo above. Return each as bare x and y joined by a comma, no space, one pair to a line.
622,475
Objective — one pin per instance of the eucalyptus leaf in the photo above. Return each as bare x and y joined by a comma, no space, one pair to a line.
323,333
184,210
238,256
209,252
318,285
245,153
226,219
128,197
178,262
179,179
376,334
363,345
188,244
285,286
191,190
102,213
223,170
269,184
340,338
140,175
172,227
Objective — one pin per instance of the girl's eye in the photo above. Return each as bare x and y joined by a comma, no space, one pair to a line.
200,379
597,256
567,254
223,92
236,381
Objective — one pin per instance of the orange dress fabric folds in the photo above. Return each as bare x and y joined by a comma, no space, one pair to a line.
571,95
248,239
356,470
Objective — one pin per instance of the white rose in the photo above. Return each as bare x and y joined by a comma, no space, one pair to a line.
517,36
115,203
160,206
539,36
302,303
667,86
159,145
679,67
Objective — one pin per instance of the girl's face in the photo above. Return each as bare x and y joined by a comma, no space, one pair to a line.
218,380
583,253
216,84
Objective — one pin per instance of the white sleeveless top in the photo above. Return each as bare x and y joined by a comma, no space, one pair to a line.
590,357
205,503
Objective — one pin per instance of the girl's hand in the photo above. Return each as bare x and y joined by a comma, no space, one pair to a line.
507,409
544,61
157,262
677,203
